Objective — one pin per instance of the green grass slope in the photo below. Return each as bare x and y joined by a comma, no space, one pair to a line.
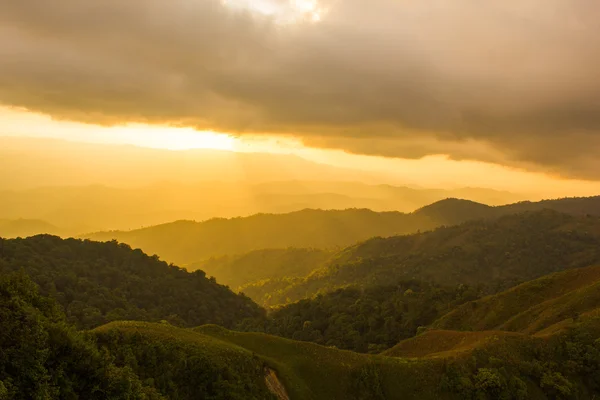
489,365
532,306
444,343
44,358
310,371
505,365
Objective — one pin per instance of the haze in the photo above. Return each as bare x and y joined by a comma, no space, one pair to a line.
299,199
332,97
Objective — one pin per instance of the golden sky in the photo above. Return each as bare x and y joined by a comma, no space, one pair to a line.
501,94
431,171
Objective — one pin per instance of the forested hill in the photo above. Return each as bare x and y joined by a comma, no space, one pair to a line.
497,253
258,265
456,211
543,305
26,227
378,317
186,242
100,282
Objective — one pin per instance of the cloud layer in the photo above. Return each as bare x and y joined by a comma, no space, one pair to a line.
512,81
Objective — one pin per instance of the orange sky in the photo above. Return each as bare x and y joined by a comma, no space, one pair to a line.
430,171
501,94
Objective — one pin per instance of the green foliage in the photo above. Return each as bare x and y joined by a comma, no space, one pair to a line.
363,320
184,365
313,372
100,282
3,392
369,385
563,366
557,385
489,382
532,306
43,358
496,253
188,242
247,270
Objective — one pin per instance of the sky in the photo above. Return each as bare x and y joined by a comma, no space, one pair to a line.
500,94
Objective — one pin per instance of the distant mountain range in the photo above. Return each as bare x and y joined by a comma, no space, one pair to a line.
80,209
493,254
26,227
81,187
537,340
187,242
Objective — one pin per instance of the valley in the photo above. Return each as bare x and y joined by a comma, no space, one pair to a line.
482,309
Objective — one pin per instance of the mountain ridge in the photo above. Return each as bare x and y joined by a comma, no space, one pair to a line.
329,228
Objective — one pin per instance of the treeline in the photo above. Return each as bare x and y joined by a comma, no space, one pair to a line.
43,357
563,366
187,242
96,283
498,253
363,319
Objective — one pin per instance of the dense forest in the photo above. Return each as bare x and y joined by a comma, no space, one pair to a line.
363,320
495,308
376,318
97,283
43,357
498,253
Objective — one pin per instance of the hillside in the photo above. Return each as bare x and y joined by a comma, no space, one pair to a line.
84,188
187,242
42,357
531,307
453,211
438,343
315,372
11,228
184,364
507,366
357,307
257,265
365,320
497,253
100,282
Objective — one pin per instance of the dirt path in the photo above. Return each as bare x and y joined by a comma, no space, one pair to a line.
274,384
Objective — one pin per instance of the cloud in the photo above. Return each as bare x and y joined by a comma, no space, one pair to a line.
512,82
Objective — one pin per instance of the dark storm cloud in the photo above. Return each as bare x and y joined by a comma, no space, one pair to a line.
509,81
